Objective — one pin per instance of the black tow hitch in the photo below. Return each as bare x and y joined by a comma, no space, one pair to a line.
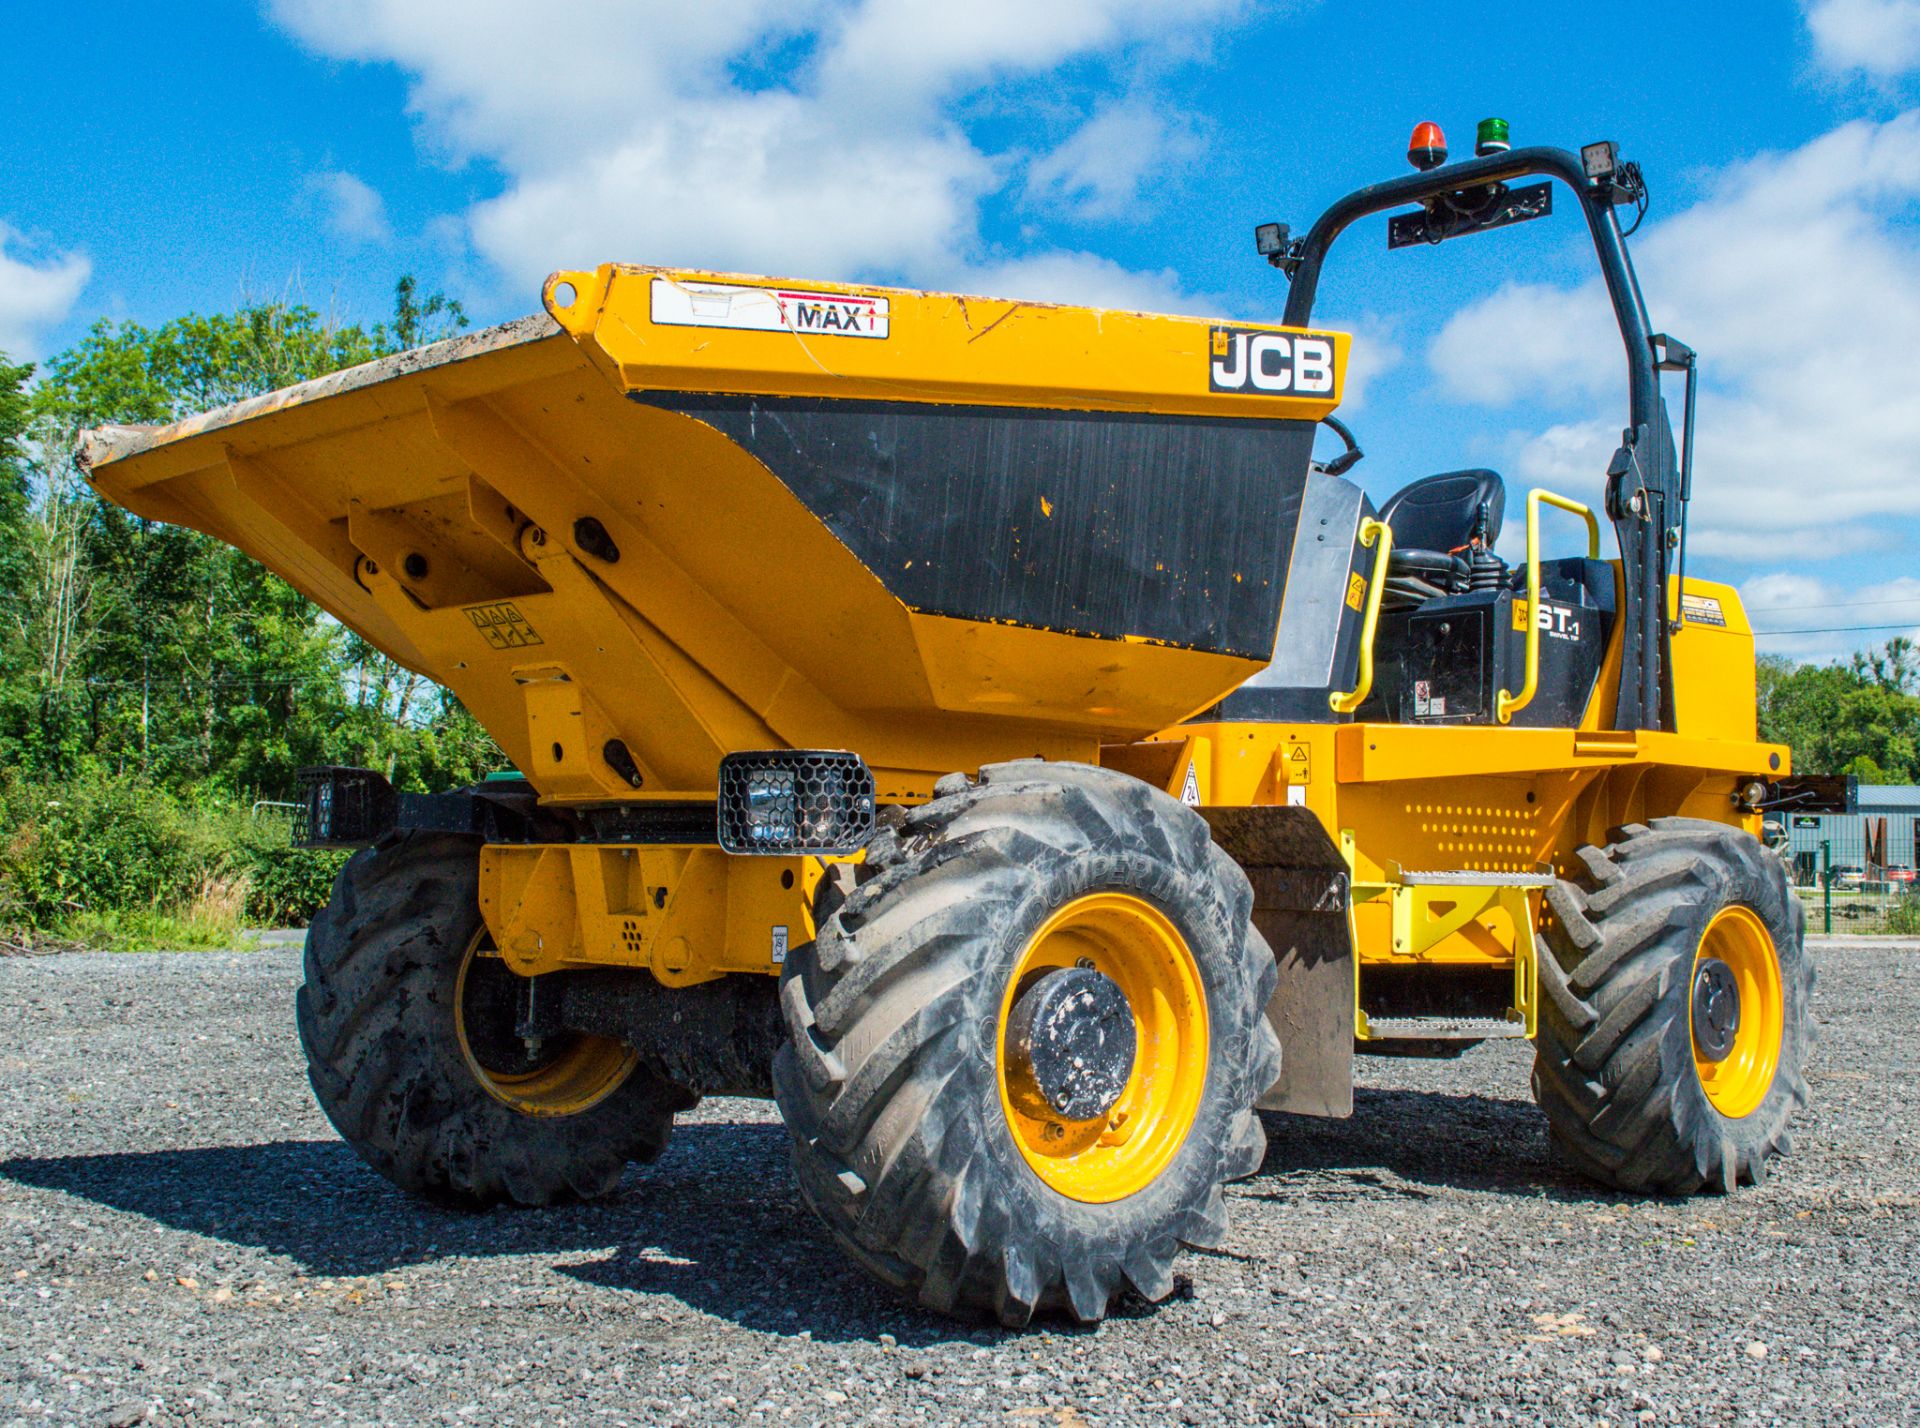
355,808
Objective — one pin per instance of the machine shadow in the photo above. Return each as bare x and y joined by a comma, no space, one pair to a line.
1411,1143
717,1224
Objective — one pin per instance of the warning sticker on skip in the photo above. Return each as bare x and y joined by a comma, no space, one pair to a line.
680,303
502,626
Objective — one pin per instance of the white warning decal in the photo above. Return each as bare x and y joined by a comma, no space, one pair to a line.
1190,793
745,309
1702,610
779,945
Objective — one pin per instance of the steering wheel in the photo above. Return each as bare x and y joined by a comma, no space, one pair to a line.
1346,460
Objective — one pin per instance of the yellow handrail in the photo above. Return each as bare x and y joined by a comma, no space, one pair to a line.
1370,531
1508,704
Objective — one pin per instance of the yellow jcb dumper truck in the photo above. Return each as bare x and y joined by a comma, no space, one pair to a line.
985,728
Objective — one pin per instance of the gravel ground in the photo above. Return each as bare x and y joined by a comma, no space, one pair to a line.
184,1241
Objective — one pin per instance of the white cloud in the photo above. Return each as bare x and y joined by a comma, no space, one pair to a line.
1528,338
1101,169
1828,615
1084,279
762,183
1878,37
924,50
533,83
1798,280
1566,456
37,291
352,207
812,137
1376,351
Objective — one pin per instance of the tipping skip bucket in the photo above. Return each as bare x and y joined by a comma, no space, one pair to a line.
698,513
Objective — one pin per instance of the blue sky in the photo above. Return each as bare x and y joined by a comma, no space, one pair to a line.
1108,151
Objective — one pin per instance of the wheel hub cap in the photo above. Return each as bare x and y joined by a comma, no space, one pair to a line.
1107,992
1716,1009
1070,1045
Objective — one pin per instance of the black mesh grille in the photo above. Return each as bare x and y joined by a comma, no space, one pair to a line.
795,801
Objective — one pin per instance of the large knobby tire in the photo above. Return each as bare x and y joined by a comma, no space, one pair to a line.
408,1036
905,1141
1619,1069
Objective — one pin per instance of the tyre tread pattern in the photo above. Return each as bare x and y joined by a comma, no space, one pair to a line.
887,1082
375,1021
1613,1066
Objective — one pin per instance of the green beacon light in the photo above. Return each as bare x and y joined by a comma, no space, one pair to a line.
1491,138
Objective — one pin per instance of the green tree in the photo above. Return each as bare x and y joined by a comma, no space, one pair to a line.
157,650
1894,666
1860,718
46,590
13,418
418,321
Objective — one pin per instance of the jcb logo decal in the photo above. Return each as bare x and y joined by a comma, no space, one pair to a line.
1270,363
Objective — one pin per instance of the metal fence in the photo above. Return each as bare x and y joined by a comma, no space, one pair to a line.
1856,871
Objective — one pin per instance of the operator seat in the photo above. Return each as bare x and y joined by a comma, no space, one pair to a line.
1433,520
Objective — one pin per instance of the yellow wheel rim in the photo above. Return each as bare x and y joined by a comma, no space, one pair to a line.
576,1072
1737,1083
1132,942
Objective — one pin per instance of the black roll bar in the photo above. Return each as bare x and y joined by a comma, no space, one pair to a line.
1603,224
1643,493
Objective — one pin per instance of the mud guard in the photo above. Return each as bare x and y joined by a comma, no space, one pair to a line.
1300,894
